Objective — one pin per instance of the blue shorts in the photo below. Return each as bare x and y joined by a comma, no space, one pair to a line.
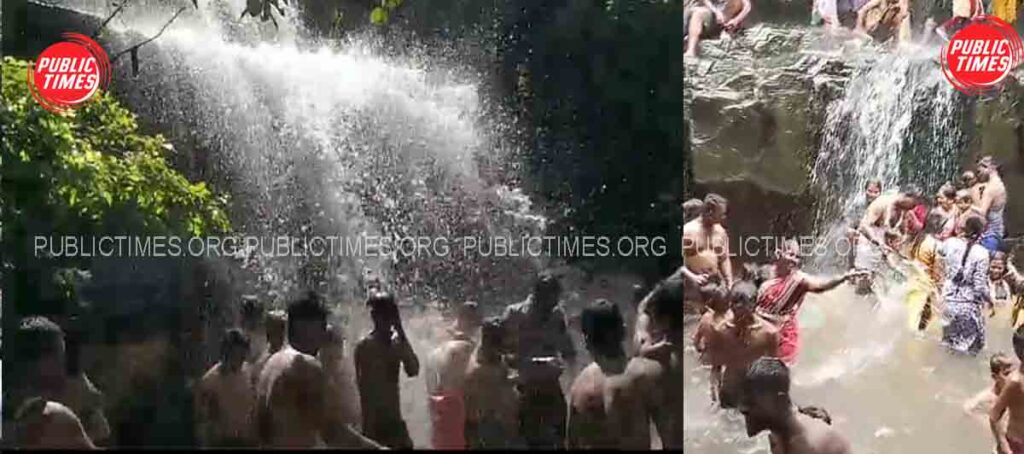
991,243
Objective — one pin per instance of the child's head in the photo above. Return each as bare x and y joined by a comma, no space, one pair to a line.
715,295
692,209
892,238
997,265
1000,365
963,199
968,179
743,299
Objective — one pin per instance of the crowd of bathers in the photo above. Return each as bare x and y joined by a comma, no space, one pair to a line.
951,253
877,20
491,383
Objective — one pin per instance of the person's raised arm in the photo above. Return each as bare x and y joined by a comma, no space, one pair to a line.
410,362
816,284
996,414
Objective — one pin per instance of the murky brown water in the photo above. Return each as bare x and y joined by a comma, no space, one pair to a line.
889,390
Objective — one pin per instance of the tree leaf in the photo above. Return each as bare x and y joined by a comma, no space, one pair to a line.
379,16
392,4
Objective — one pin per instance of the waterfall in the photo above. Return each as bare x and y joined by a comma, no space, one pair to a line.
314,138
900,122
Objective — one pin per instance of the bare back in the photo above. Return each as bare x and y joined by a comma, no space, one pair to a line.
881,213
491,398
815,437
735,349
288,393
608,410
228,403
448,364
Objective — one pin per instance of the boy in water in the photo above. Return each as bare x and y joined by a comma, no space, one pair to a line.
742,337
378,358
225,401
1010,436
1001,367
717,300
767,406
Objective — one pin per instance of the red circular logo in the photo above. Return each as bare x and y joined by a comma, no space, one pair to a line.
68,74
981,55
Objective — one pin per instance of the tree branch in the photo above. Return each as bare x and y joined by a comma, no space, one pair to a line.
109,18
154,37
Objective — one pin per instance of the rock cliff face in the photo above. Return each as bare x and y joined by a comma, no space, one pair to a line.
757,105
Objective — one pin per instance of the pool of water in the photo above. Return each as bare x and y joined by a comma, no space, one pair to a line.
888,389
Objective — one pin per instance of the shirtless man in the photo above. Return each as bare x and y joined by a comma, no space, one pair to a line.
606,403
882,215
543,349
742,337
250,318
660,371
343,397
1010,436
706,244
872,190
225,401
445,379
969,181
275,324
992,203
39,421
767,406
378,357
492,403
292,388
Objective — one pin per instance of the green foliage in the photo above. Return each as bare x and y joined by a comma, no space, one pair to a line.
92,170
381,14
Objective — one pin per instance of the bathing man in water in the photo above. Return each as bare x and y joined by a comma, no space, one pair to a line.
742,337
706,247
1010,436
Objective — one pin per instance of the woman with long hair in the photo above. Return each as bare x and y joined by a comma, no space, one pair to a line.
965,288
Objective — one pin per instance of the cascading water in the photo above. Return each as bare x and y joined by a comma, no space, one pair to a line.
901,123
886,387
316,139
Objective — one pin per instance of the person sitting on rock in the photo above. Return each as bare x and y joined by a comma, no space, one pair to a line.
707,19
836,14
885,19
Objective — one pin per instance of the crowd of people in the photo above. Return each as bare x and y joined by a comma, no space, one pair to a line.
954,251
491,383
877,20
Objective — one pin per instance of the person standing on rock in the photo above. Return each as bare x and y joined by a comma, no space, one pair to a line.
706,246
707,19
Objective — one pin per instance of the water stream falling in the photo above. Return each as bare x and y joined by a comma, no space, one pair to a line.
888,388
313,138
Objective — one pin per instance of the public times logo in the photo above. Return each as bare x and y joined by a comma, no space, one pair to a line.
981,55
67,74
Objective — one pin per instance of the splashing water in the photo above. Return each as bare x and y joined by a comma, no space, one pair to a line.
886,386
900,122
311,138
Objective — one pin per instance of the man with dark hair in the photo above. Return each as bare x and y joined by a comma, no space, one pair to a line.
742,337
882,215
378,357
662,368
39,372
291,392
225,401
542,346
992,203
275,323
492,403
446,376
767,406
606,404
706,246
